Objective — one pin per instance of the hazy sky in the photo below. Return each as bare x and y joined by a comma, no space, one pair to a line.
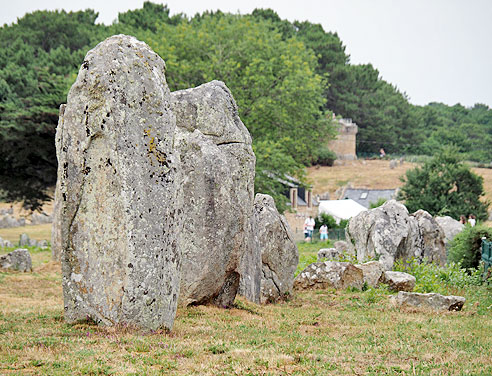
433,50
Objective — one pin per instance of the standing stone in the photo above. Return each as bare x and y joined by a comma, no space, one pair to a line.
451,227
18,260
120,205
329,274
387,232
24,240
342,246
218,166
431,237
279,253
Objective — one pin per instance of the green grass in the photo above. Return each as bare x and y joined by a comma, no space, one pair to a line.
323,332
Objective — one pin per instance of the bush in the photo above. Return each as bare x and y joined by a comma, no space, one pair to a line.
466,246
377,204
330,222
434,278
325,157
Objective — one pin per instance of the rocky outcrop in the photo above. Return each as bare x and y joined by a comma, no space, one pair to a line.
120,194
372,272
432,300
329,274
18,260
218,166
451,227
279,253
399,281
390,233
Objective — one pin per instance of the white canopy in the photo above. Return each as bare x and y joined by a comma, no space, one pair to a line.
340,209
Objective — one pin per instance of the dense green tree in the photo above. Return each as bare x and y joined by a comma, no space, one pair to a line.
444,186
38,62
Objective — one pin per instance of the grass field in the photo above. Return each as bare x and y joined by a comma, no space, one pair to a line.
324,332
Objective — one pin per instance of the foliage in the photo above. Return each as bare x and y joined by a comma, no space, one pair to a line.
434,278
444,186
325,157
38,59
466,246
377,204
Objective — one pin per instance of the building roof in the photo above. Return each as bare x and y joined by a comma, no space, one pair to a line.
340,209
367,196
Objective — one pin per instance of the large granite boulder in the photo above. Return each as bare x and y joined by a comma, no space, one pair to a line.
389,233
451,227
329,274
119,194
218,166
18,260
431,237
433,301
279,253
398,281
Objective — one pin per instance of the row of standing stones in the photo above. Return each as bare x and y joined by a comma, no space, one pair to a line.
154,204
388,233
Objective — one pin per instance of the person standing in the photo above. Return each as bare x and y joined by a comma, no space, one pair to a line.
472,220
309,224
323,233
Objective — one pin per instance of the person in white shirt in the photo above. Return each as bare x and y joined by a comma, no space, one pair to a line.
323,233
309,225
472,220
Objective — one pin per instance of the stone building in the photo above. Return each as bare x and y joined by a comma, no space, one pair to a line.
344,145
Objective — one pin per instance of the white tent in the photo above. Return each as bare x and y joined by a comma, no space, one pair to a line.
340,209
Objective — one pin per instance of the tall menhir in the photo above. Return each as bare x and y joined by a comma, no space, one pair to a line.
119,204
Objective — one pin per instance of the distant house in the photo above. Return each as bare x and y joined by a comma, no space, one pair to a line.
298,195
340,209
365,196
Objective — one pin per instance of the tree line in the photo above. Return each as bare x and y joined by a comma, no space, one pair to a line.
287,78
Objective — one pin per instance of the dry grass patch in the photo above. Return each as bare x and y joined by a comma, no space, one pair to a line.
38,232
324,332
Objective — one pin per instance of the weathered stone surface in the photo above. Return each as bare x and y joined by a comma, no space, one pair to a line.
431,237
19,260
393,164
372,271
56,235
329,274
387,232
40,218
342,246
8,221
120,201
433,301
328,253
218,165
390,233
24,240
279,253
451,227
4,243
398,281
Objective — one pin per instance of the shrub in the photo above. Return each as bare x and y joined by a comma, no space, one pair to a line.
330,222
466,246
377,204
434,278
325,157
